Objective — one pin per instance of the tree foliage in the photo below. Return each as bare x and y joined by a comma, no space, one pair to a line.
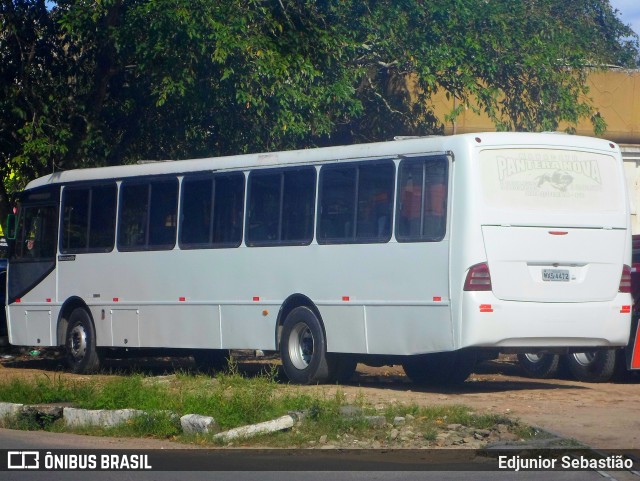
104,82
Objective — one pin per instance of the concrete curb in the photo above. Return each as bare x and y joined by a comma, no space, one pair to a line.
74,417
189,423
10,410
279,424
195,423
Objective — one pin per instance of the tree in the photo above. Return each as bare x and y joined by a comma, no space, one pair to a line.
29,72
101,83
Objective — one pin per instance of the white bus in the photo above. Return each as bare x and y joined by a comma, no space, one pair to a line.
419,251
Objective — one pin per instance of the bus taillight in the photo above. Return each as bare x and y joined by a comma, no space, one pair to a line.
625,280
478,278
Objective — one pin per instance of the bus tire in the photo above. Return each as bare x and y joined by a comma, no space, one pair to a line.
211,360
80,342
539,365
303,348
592,366
440,369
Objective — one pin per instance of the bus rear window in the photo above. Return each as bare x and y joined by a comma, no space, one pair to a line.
546,180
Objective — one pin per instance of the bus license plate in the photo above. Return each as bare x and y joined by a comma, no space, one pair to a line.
557,275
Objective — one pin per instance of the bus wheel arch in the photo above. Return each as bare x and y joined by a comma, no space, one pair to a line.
77,326
291,303
63,318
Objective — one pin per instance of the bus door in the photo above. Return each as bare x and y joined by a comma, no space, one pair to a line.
31,270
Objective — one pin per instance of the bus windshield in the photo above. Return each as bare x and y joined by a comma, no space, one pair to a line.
37,233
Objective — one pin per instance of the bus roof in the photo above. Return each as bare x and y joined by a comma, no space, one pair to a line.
406,146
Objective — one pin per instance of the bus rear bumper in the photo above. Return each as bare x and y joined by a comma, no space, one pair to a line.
489,322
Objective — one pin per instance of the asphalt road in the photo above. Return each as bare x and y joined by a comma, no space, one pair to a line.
259,467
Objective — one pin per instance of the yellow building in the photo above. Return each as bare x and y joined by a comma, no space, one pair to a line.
616,96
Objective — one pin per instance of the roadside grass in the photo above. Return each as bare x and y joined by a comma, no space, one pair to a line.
45,389
232,400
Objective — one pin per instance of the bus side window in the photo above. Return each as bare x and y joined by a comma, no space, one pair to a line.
88,219
298,205
375,202
75,220
212,210
337,211
197,199
356,203
228,210
134,204
148,215
422,199
264,207
163,214
281,207
103,218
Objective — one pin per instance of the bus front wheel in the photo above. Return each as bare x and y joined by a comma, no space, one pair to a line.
303,348
82,353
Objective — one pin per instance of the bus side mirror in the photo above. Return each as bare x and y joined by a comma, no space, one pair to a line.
11,227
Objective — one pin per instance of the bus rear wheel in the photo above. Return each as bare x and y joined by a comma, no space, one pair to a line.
82,353
539,365
440,369
592,366
303,348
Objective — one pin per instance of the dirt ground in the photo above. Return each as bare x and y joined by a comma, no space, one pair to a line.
604,416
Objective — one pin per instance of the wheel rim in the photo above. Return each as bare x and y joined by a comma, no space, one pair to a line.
78,343
584,358
533,357
301,346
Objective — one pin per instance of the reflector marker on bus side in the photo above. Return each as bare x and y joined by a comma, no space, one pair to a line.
48,299
558,232
115,299
486,308
346,298
625,310
256,298
437,299
18,300
182,299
